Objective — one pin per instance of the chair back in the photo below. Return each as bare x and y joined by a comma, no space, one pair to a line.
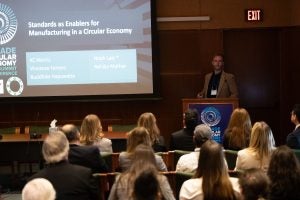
121,128
180,177
112,161
230,156
10,130
297,153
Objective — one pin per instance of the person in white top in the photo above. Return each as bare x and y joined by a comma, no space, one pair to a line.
261,146
188,163
211,180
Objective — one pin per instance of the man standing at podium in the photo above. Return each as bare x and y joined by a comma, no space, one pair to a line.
219,84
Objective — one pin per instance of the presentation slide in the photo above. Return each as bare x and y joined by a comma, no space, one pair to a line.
75,48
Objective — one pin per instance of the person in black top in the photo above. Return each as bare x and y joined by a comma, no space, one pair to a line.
183,139
69,181
87,156
219,84
293,139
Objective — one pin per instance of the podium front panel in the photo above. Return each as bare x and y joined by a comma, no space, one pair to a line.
213,112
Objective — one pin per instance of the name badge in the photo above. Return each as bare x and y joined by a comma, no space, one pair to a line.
213,92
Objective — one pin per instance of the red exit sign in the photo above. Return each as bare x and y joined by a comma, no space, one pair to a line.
253,15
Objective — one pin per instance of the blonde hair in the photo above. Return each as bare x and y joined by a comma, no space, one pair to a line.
55,147
148,121
136,136
262,141
91,128
239,129
38,189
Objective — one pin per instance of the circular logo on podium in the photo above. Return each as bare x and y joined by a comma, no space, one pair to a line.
210,116
10,81
8,24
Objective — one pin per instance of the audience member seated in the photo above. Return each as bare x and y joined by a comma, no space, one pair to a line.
211,180
38,189
254,184
258,154
151,192
143,160
69,181
237,134
188,163
284,173
136,136
87,156
293,139
91,134
183,139
148,121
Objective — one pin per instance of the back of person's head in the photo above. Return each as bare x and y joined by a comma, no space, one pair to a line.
211,162
284,164
136,136
191,119
213,170
143,159
202,133
261,139
71,131
38,189
55,147
296,111
90,128
240,127
148,121
254,184
143,154
146,186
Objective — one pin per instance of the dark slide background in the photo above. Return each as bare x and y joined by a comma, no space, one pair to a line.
127,14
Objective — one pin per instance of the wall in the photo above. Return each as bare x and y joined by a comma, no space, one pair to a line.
228,14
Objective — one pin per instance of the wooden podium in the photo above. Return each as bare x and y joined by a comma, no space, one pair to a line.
215,112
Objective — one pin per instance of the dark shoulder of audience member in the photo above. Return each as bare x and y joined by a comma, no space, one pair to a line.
183,139
284,174
254,184
87,156
146,186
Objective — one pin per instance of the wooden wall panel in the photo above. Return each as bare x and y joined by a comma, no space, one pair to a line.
228,14
254,57
290,73
190,51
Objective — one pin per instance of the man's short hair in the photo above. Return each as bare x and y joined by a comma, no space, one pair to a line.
218,54
202,133
38,189
55,147
71,132
191,118
296,111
